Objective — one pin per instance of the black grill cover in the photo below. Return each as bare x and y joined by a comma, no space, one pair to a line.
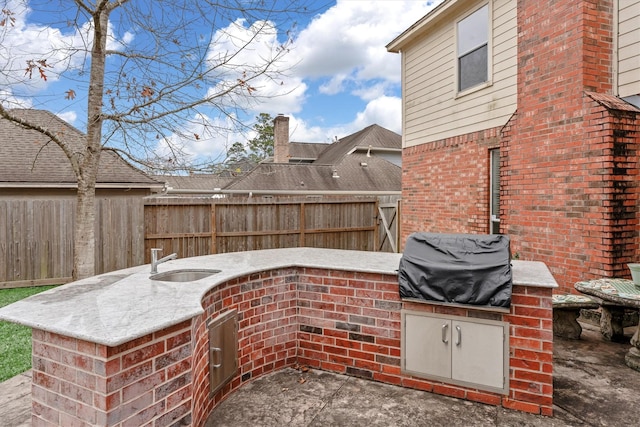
457,268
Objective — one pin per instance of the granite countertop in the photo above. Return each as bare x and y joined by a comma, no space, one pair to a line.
114,308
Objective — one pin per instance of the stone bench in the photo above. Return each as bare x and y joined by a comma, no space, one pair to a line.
566,310
611,327
613,319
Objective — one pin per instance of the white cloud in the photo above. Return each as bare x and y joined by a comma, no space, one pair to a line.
301,131
244,51
127,38
203,139
350,39
68,116
342,48
372,91
8,100
62,51
341,52
335,85
385,111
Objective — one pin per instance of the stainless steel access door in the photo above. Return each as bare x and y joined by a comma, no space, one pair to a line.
223,349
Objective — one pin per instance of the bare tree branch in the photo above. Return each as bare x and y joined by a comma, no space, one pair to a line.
150,71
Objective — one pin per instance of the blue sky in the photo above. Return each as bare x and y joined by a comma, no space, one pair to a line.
340,78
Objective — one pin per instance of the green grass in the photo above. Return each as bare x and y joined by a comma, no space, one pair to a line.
15,340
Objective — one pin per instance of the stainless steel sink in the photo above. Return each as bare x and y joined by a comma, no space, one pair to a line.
186,275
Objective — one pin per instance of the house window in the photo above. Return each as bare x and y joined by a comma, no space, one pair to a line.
494,191
473,49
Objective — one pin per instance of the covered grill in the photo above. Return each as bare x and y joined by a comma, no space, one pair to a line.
471,269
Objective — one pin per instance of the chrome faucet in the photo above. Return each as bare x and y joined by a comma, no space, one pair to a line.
155,261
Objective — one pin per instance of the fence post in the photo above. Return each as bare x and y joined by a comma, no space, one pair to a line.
213,247
302,225
376,229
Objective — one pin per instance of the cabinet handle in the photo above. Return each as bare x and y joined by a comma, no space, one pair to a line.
445,327
213,351
458,336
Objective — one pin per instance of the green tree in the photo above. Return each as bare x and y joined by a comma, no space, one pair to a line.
143,88
236,153
261,146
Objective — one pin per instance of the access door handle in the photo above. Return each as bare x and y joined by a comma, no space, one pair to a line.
458,336
213,351
445,333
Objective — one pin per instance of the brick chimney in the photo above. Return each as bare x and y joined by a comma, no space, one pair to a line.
281,139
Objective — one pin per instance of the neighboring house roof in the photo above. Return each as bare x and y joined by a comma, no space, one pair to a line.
344,167
305,151
356,173
348,166
372,137
29,159
301,152
196,183
234,169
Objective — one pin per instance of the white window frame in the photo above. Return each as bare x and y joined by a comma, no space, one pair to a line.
489,81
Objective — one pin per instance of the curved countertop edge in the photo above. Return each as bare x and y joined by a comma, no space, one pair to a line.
117,307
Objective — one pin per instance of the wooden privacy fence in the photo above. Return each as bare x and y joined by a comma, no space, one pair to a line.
36,234
196,226
36,238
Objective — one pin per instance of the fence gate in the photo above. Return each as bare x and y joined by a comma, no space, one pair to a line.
388,214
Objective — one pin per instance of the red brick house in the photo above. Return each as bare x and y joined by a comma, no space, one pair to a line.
522,117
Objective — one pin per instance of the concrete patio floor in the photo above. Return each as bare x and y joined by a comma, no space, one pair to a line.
592,387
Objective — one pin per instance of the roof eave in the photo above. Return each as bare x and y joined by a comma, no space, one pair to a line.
313,192
74,186
127,185
362,148
419,27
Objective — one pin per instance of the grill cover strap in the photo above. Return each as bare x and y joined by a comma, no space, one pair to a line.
457,268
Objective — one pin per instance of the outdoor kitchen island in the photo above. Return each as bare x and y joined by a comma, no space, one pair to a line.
123,349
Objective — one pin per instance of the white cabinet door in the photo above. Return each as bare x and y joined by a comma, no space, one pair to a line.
427,342
477,353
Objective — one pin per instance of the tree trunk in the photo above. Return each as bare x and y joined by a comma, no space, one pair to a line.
84,233
84,238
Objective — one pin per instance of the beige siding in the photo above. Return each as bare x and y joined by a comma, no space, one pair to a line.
432,111
628,47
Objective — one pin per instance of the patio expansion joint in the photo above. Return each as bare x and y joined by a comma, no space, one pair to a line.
329,399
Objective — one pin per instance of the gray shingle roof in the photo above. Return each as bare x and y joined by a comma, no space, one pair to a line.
378,175
373,135
28,158
357,173
197,182
305,151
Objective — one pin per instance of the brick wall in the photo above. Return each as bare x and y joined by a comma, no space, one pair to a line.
350,323
267,331
345,322
78,383
445,184
569,161
569,196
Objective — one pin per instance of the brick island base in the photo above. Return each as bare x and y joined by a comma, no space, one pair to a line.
344,322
